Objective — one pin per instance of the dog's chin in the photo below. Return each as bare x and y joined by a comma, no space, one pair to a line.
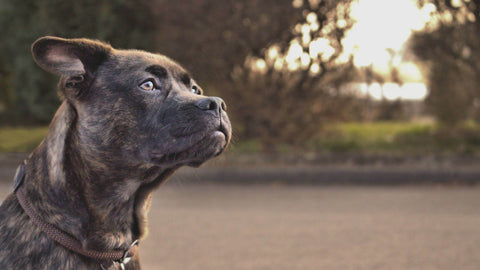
211,147
194,155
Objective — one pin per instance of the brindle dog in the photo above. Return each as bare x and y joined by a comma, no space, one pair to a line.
128,120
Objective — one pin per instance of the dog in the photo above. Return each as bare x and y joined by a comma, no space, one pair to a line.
128,119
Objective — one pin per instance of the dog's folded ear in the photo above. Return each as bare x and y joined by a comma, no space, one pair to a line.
69,57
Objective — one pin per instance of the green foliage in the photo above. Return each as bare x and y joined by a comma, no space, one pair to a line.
28,94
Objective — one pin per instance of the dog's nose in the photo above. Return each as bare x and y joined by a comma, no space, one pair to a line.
211,104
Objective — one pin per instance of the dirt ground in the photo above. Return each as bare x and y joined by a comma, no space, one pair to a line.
276,227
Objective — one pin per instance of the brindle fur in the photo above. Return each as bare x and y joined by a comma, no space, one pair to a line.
109,146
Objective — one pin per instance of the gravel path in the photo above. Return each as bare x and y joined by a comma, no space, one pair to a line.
277,227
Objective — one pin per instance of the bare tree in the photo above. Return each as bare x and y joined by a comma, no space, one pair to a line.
450,47
286,96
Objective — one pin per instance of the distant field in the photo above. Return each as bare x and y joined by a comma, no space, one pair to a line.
385,137
377,137
21,139
416,138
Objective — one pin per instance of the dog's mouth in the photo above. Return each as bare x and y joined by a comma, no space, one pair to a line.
193,149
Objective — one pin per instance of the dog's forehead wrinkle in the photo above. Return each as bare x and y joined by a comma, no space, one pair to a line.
136,57
157,71
185,79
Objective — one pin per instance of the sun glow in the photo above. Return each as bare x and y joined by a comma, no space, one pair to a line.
392,91
381,25
377,39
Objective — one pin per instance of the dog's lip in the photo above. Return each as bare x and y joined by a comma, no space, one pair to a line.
220,135
222,129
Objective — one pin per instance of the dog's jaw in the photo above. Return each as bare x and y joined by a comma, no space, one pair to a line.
194,154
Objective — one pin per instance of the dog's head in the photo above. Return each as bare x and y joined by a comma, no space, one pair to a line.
132,107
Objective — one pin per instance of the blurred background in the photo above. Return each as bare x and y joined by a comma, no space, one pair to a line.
356,126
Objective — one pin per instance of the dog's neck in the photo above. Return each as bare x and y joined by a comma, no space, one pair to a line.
101,206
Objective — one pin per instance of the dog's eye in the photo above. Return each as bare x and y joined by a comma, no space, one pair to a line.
148,86
195,90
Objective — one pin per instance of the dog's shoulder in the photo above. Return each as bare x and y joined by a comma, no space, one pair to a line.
16,232
10,211
24,246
